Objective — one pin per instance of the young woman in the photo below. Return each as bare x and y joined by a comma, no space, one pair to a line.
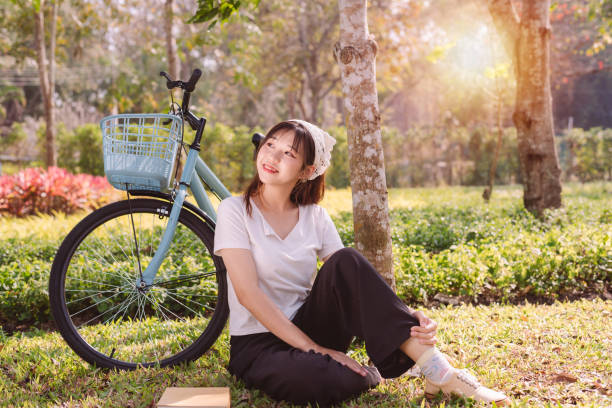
289,330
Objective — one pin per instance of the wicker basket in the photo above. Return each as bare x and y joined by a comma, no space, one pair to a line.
140,150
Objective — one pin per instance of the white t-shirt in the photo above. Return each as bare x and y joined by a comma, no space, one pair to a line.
285,267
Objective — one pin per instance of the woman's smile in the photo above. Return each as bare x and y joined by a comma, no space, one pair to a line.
269,169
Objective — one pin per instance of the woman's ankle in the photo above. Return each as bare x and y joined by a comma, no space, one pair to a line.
413,349
435,366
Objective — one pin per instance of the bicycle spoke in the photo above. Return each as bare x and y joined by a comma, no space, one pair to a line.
120,247
101,314
102,260
89,281
182,304
127,302
175,335
150,337
95,304
87,297
182,279
192,301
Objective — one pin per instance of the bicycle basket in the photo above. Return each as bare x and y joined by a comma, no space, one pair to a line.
140,150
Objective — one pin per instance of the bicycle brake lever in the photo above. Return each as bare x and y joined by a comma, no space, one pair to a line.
170,84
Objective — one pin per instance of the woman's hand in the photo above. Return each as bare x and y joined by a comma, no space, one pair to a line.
425,332
342,359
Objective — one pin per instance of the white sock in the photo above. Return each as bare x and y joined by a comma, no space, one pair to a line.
434,366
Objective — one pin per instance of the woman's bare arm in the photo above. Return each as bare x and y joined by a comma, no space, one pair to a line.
241,269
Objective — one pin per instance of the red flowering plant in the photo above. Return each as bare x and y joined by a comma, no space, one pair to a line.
36,190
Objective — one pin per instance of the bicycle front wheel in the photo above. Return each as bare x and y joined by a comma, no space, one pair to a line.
104,314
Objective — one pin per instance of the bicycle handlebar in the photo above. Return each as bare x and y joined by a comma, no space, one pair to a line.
188,86
196,123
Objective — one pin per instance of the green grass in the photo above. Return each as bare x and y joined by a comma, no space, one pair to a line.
545,356
446,241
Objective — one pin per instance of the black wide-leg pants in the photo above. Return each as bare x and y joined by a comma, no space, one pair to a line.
348,299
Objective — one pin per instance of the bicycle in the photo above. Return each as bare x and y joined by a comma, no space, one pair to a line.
136,283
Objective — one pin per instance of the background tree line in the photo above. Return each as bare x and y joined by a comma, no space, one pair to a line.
461,155
443,91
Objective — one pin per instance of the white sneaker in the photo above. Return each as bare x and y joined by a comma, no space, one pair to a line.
464,384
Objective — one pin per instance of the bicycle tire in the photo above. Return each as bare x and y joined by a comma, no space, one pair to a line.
96,274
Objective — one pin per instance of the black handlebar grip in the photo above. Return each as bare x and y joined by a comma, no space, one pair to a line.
256,140
195,76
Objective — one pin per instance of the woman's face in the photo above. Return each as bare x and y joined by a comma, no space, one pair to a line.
278,163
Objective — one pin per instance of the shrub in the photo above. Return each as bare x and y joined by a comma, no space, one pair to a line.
34,190
81,150
586,153
462,248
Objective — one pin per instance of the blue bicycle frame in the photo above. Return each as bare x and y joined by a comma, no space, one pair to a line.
194,169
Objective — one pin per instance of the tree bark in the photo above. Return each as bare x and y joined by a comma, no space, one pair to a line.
528,42
173,61
356,56
46,74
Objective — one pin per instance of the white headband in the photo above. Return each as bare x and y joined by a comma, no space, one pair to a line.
324,144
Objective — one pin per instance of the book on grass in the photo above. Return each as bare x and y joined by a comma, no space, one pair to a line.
195,397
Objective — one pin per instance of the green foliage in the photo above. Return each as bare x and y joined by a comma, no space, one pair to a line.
500,252
420,156
587,153
448,155
229,153
218,10
10,93
80,151
24,299
15,135
338,174
450,244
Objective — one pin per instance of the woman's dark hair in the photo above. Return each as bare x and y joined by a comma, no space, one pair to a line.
308,192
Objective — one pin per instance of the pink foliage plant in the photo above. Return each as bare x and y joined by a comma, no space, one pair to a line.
38,191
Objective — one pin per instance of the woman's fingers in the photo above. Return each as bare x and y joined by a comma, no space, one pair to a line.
348,362
425,338
431,329
429,341
425,332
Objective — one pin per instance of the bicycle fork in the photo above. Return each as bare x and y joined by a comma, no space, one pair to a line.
148,275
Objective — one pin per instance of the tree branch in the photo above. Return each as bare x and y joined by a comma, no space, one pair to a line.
331,24
507,23
330,87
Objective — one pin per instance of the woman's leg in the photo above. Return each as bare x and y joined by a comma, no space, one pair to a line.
285,373
349,298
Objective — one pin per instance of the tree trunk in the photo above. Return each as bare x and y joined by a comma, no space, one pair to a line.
488,191
173,61
356,56
528,41
46,74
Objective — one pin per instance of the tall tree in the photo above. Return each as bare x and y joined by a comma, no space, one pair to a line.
356,56
171,53
304,68
527,40
46,73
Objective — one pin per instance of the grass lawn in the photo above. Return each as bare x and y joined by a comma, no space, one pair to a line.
446,240
545,356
